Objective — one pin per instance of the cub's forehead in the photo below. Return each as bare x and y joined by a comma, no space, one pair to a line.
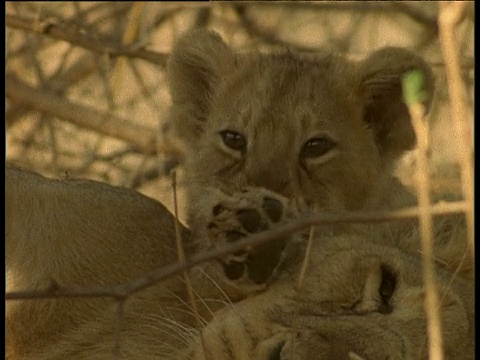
287,88
293,76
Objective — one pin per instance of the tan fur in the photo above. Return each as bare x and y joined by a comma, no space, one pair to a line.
278,102
338,313
84,233
46,241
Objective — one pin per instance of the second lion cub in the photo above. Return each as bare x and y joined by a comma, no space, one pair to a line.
266,133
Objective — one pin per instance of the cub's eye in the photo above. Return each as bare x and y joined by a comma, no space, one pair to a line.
386,289
234,140
316,147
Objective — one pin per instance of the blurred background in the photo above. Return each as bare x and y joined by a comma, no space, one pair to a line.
85,81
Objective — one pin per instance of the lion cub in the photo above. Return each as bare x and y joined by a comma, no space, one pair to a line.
268,135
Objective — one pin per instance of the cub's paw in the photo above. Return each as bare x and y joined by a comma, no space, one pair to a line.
248,212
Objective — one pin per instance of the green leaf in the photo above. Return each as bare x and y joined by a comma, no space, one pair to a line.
413,87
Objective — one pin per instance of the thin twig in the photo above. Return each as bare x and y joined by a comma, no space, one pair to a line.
306,258
181,252
182,258
450,15
321,6
81,39
416,14
315,219
467,63
102,11
202,17
255,30
104,123
432,303
79,70
131,33
33,52
146,175
301,277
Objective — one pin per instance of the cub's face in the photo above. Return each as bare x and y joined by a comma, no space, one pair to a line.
316,129
282,124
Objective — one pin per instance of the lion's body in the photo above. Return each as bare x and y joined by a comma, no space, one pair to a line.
338,310
266,138
61,231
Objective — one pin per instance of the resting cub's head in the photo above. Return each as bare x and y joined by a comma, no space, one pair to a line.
358,300
311,126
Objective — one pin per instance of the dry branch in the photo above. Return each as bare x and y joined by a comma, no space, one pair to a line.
132,33
202,17
80,38
432,308
81,115
451,14
348,6
80,69
416,14
122,291
265,35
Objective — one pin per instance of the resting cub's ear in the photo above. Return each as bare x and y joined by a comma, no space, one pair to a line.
385,111
195,67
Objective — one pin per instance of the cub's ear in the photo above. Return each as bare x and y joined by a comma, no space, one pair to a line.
197,63
385,110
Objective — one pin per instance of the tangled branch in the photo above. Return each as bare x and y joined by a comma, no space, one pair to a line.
80,38
101,122
122,291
